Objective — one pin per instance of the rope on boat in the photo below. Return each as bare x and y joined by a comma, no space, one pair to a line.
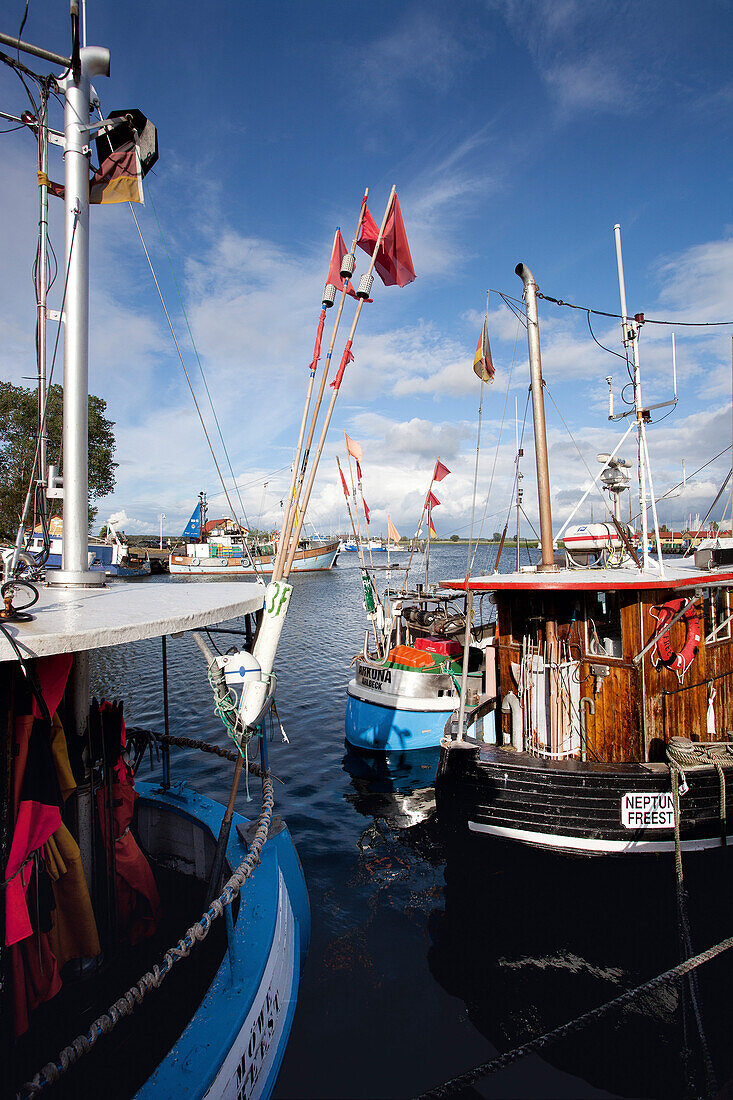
464,1080
677,753
153,979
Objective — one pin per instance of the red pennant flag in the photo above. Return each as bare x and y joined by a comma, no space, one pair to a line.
343,480
317,348
358,471
440,472
366,510
334,270
392,532
394,262
346,358
432,501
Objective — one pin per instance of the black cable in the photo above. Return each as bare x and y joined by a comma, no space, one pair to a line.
29,675
601,346
647,320
13,129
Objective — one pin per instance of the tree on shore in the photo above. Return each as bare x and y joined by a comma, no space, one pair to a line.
18,431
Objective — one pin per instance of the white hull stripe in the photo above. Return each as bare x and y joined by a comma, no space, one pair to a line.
445,705
589,844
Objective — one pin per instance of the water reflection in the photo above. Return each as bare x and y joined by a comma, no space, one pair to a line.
529,940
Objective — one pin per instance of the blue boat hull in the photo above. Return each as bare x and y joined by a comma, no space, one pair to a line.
234,1044
382,728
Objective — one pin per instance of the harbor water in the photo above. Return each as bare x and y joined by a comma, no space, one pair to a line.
428,956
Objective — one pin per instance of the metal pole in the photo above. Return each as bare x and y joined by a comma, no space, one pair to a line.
516,435
166,757
36,51
630,335
547,562
42,282
464,670
94,61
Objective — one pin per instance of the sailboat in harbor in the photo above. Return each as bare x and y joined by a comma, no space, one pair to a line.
610,675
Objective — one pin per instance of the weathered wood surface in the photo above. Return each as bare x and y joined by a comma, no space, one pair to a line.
637,707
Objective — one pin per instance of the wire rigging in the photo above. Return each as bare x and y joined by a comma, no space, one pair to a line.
190,385
198,358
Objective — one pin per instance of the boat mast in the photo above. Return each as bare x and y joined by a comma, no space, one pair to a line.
87,62
520,490
630,336
42,280
547,561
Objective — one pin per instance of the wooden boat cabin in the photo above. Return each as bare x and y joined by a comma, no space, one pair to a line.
614,711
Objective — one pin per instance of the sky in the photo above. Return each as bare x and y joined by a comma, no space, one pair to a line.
513,131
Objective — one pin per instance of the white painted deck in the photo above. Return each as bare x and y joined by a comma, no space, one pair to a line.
677,574
67,620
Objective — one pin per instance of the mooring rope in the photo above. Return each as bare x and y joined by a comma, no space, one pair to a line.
464,1080
154,978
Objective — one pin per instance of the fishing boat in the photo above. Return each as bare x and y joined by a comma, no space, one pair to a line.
224,549
612,673
151,940
407,679
112,555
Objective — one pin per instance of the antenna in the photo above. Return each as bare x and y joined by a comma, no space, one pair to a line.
674,369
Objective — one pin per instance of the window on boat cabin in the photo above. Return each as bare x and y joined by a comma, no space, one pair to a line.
716,610
603,624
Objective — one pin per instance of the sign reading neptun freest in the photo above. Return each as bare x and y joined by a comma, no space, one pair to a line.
641,810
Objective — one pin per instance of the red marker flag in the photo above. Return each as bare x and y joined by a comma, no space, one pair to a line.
358,471
354,449
366,510
343,480
392,532
346,358
317,348
394,262
440,471
334,270
483,366
432,501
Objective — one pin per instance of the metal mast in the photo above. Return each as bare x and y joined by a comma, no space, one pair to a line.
547,562
91,61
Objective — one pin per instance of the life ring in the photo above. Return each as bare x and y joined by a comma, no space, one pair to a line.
663,654
194,561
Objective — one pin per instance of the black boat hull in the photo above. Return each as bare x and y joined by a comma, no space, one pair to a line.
578,807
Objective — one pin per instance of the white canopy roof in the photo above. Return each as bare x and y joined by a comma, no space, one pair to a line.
70,620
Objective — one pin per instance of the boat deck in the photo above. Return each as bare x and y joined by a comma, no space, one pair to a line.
70,620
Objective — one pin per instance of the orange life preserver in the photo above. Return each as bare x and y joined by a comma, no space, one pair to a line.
663,654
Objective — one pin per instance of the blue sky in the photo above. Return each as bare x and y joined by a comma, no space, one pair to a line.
513,131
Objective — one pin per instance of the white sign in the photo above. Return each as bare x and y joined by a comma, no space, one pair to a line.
647,811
